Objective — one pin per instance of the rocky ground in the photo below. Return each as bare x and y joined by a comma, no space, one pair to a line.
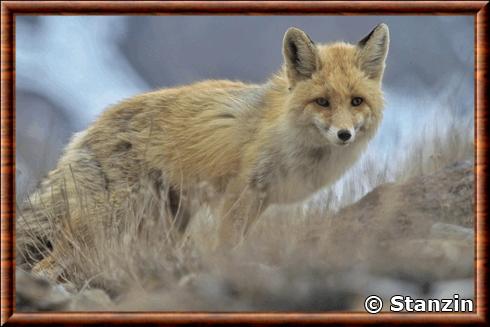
412,238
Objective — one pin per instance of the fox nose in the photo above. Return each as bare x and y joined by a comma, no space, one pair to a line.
344,135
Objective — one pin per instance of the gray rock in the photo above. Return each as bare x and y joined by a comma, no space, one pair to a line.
451,231
34,293
38,294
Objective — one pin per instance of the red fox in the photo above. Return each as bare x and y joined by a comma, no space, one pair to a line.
253,145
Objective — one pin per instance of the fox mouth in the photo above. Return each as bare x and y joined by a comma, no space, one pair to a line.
341,144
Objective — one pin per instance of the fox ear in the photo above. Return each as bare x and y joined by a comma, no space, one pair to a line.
373,51
300,55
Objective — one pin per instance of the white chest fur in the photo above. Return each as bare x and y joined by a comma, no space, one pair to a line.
297,175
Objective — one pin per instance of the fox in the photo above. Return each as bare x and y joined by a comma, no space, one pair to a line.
253,145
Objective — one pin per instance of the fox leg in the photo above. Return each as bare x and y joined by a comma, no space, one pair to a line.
179,209
240,210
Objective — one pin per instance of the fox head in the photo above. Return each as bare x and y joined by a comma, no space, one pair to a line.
335,89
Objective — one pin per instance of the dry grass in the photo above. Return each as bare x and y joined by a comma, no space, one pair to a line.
138,257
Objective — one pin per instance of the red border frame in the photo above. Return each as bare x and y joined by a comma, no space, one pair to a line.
9,9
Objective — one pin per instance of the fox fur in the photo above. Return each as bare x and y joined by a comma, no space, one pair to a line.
252,144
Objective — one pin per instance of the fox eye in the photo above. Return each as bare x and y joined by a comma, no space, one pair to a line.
356,101
322,102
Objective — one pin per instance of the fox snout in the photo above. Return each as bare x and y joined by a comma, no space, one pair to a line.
341,136
338,136
344,135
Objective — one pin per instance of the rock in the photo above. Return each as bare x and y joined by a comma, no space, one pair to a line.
418,230
445,231
412,207
38,294
34,293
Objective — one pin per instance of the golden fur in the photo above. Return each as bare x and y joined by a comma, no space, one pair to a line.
252,145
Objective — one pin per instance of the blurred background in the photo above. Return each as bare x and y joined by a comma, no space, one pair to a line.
68,69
